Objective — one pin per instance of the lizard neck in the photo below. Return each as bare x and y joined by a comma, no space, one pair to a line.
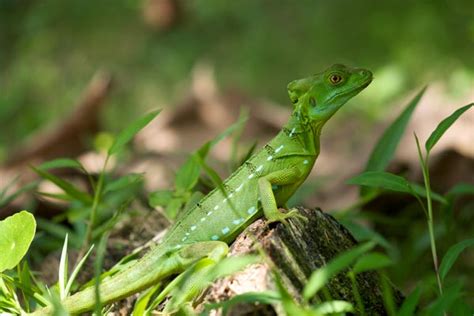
306,130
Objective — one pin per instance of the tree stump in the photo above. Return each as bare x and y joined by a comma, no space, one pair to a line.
296,251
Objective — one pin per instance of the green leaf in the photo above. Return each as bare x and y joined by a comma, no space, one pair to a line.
66,186
321,276
188,174
371,261
231,265
387,144
76,270
123,182
130,131
421,191
409,304
451,256
63,270
5,200
264,297
461,189
443,303
16,233
382,180
444,125
160,198
61,163
333,307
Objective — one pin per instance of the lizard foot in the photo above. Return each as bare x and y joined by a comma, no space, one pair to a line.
282,217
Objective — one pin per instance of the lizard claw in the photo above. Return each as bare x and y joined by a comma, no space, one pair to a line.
282,217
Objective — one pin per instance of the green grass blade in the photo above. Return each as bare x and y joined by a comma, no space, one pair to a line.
333,307
76,270
63,270
61,163
371,261
387,144
66,186
444,125
382,180
321,276
451,256
130,131
409,304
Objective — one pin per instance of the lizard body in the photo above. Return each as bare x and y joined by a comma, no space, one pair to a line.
264,182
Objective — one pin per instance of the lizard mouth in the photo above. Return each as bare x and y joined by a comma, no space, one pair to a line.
360,85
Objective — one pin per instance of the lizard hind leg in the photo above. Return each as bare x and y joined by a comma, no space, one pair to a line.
195,277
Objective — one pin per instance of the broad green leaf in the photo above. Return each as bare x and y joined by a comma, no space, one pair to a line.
444,125
320,277
371,261
16,233
409,304
160,198
174,206
443,303
461,189
61,163
382,180
188,174
66,186
451,256
387,144
333,307
130,131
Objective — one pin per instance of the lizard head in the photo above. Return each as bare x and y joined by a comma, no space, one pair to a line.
318,97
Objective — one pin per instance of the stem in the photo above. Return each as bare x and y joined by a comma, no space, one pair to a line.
426,178
355,291
95,205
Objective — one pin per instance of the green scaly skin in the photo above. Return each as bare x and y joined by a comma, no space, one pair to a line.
264,182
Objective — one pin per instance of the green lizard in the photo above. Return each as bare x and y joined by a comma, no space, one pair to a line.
264,182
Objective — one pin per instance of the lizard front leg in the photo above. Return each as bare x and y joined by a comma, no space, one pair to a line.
267,197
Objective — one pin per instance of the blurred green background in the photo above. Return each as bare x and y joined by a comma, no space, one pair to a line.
49,50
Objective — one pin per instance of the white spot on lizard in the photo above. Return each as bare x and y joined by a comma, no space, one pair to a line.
215,237
225,230
279,148
251,210
259,168
193,227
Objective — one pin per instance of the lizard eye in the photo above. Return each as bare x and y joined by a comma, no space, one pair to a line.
335,79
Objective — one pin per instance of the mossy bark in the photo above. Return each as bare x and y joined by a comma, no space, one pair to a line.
296,251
